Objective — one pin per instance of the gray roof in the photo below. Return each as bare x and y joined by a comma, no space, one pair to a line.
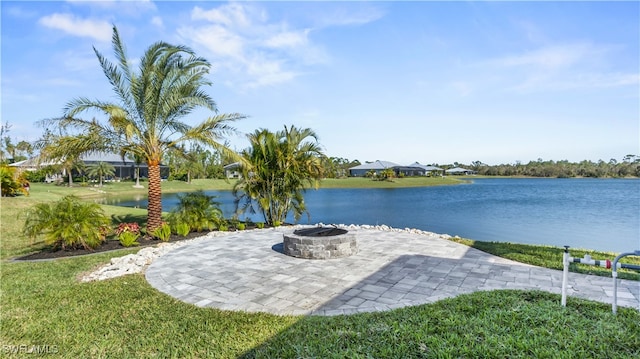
457,170
231,166
377,165
89,157
105,157
425,167
32,162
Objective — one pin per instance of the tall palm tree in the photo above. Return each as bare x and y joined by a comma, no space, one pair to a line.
278,167
101,170
146,119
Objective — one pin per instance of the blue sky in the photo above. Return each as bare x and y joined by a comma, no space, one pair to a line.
434,82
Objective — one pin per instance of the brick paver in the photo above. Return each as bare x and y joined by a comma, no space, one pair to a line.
246,271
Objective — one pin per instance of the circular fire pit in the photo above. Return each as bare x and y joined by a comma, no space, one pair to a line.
320,243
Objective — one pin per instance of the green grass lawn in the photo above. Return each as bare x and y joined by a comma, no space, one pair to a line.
43,305
551,257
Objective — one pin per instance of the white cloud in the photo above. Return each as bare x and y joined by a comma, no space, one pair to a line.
344,17
268,73
95,29
259,51
223,43
157,21
562,67
551,57
232,15
288,39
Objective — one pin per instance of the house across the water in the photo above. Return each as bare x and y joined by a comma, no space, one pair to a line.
458,171
125,168
414,169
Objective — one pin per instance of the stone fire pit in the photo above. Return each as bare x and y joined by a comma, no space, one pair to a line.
320,243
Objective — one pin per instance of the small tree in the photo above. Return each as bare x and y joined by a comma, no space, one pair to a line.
101,170
281,165
387,174
67,223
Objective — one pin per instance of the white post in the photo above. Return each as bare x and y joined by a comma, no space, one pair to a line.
565,275
614,274
614,305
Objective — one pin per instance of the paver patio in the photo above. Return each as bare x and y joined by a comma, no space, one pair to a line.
247,271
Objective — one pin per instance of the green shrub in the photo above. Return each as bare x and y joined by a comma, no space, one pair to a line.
198,211
128,239
163,232
223,227
276,223
241,226
260,225
11,183
67,223
182,229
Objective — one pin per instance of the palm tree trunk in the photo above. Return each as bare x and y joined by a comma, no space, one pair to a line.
70,178
154,209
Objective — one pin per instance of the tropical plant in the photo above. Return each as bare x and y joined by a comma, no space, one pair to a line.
278,168
68,223
101,170
163,232
146,118
11,182
128,239
182,229
198,210
387,174
132,227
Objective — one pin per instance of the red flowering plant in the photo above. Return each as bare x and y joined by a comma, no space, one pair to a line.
132,227
128,233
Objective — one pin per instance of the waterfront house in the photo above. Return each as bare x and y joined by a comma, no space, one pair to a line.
458,171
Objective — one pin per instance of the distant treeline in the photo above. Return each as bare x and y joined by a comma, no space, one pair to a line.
628,167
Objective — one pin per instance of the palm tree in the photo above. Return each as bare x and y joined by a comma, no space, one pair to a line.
101,170
278,168
146,119
66,151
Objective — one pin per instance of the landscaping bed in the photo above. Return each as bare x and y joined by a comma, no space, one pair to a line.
109,245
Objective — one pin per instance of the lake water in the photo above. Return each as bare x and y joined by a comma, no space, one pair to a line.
601,214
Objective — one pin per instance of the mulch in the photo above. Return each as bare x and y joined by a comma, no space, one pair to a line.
109,245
